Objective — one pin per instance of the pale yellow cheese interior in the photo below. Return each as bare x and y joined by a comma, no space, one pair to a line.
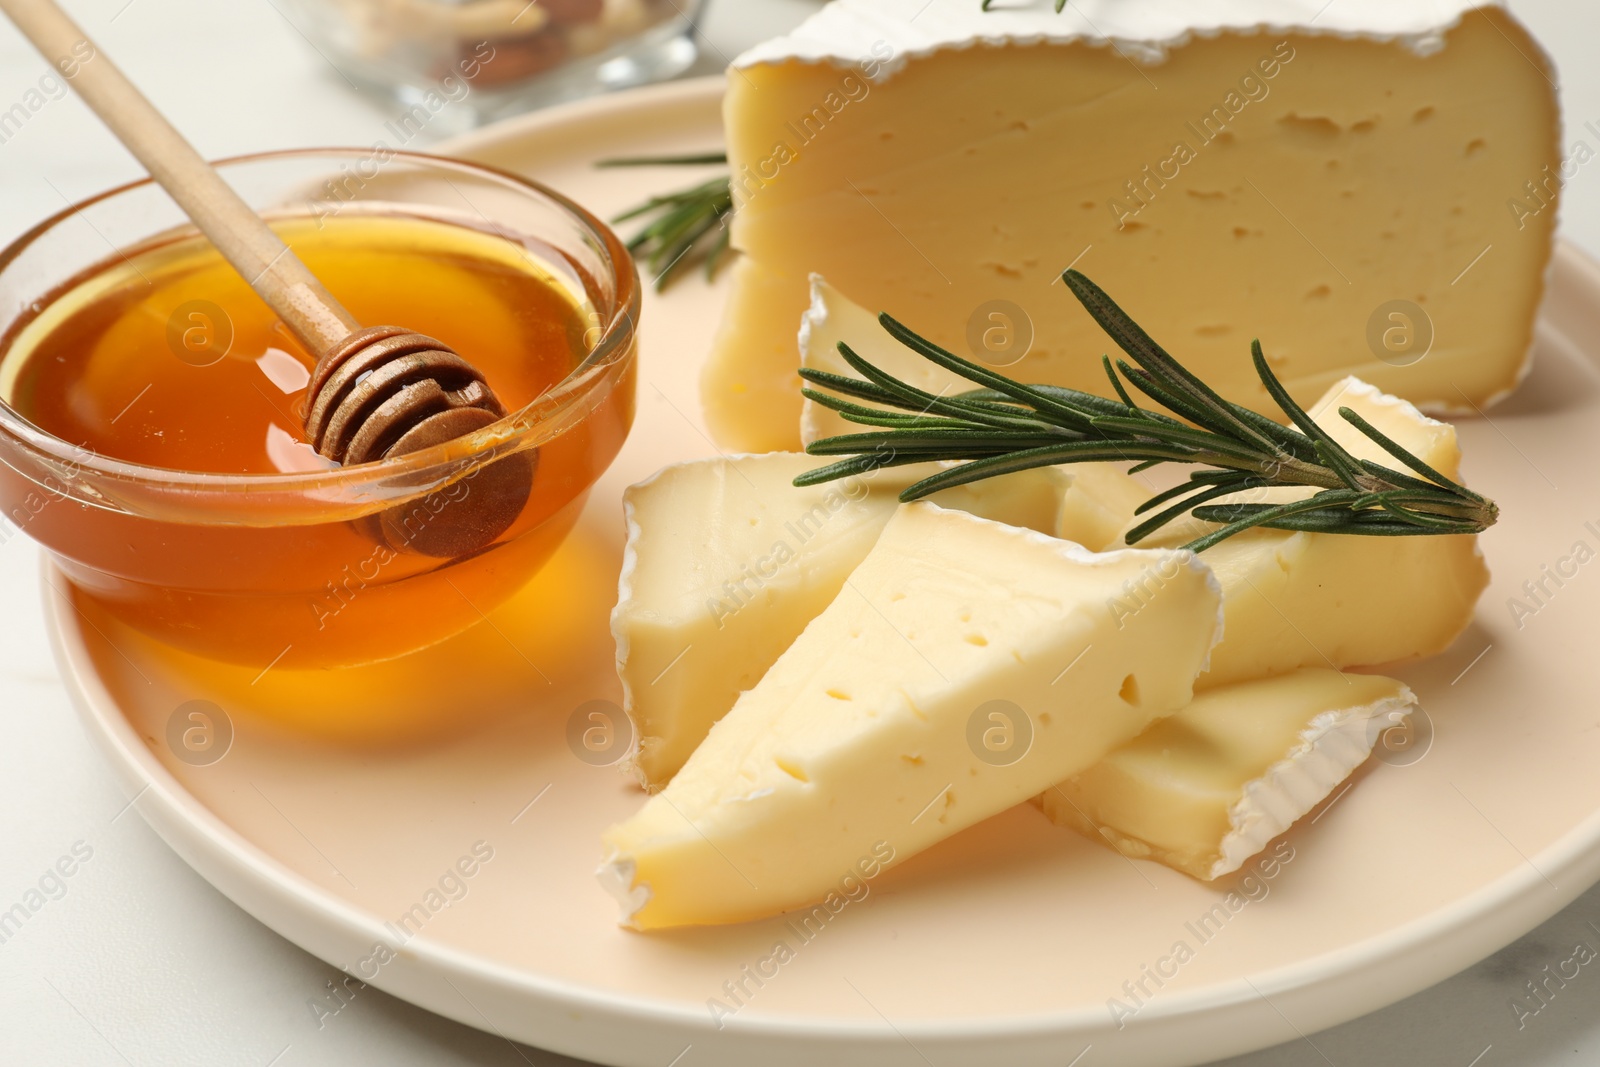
859,742
1294,208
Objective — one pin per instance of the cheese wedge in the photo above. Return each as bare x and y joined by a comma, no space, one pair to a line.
1369,187
1096,507
726,562
1209,787
1331,600
965,667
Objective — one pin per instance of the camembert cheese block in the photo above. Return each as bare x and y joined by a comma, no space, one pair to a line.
726,562
1209,787
965,667
1368,186
1337,600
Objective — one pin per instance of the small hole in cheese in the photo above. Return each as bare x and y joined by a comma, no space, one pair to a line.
788,767
1129,691
978,639
1310,126
838,694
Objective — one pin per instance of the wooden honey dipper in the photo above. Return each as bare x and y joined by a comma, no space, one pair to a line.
375,393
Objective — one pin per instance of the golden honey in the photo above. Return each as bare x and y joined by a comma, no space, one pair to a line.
164,357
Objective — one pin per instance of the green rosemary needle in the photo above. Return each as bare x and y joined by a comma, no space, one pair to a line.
677,235
1005,426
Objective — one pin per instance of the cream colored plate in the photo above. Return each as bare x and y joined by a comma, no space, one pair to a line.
1003,945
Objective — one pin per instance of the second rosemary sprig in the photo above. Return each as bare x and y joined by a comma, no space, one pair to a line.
688,226
1004,426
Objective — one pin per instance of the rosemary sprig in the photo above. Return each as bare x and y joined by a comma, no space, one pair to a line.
1005,426
677,236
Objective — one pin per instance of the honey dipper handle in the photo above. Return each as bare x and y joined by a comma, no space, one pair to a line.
317,319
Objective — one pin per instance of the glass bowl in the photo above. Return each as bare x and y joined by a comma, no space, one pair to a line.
284,569
455,63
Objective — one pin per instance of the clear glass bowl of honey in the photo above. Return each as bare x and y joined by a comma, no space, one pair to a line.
151,407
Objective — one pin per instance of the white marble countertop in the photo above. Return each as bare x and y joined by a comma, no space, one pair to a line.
141,962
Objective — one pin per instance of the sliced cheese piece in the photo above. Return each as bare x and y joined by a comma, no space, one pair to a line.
726,562
831,319
1099,505
1338,600
1095,508
1339,180
965,667
1208,788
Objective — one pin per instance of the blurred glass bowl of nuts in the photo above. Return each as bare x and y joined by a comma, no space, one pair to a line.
491,58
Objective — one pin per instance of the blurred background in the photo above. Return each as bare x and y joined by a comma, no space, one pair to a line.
142,962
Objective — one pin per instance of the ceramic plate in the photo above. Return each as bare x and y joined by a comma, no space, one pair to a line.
1006,944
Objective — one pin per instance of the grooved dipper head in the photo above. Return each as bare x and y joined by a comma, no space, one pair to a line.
385,391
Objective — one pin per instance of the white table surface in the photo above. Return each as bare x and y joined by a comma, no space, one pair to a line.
143,963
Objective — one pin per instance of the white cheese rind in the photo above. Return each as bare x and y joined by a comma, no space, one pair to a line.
1333,745
846,31
858,744
616,877
1209,787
